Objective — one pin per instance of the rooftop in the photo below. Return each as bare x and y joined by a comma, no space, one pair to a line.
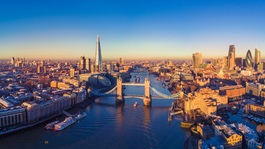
231,87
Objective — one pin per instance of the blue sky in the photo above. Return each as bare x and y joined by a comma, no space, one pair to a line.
130,29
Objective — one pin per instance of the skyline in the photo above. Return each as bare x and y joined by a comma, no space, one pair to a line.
51,30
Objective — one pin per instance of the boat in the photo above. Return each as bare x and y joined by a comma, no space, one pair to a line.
135,104
170,118
259,145
163,85
176,112
50,126
185,124
80,116
194,131
67,122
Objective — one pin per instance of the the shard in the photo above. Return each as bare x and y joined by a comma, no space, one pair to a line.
98,58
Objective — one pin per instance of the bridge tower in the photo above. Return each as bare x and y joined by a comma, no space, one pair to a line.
147,93
119,98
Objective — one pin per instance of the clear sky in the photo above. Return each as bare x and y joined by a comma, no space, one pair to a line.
130,28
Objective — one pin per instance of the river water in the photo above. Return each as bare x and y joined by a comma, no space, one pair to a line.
109,126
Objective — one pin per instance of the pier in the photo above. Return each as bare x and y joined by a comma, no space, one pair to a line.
66,113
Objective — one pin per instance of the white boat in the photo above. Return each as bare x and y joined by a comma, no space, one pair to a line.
50,126
67,122
80,116
135,104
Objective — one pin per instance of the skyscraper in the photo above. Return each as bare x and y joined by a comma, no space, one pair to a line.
82,62
88,64
92,68
197,59
121,61
231,57
257,56
42,63
258,64
238,62
72,72
98,58
248,60
12,60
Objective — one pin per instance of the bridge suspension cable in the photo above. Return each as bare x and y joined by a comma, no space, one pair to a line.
164,95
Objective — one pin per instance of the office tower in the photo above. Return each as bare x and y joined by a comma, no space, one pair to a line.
248,60
88,64
41,69
19,62
225,61
257,56
113,65
197,59
121,61
72,72
59,66
109,67
231,57
82,63
44,69
244,63
231,61
258,64
238,61
92,68
38,69
218,61
42,63
12,61
98,58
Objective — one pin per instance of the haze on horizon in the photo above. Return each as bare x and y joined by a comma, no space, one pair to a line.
130,29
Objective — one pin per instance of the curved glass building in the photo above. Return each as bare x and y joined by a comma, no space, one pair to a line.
99,80
249,60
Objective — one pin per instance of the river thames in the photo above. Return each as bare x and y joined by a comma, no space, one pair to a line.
109,126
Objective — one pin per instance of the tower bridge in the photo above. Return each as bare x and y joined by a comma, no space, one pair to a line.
147,97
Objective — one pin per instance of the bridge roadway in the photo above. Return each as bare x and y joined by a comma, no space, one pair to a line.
141,97
132,84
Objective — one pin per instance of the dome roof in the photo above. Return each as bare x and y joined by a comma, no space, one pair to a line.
99,80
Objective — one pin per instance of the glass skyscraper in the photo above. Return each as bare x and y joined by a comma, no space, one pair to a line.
249,60
98,58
